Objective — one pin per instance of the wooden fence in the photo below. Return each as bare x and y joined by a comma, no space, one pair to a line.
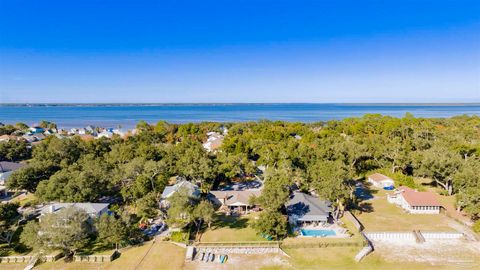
27,258
95,258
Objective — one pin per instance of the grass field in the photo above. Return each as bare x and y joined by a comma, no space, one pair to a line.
384,216
228,229
159,255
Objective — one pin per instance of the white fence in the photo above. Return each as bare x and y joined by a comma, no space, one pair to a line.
410,236
442,235
390,235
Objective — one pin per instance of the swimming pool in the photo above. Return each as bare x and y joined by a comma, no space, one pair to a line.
317,233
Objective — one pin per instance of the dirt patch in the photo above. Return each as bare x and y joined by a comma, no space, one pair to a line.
240,261
453,252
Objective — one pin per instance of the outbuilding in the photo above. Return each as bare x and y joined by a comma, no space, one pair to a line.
379,180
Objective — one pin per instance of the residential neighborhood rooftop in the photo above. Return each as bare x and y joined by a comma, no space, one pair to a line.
235,197
418,198
7,166
90,208
378,177
308,207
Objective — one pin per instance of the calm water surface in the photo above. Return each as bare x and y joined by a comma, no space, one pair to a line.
127,116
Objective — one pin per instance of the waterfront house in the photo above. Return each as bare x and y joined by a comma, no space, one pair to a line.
36,129
105,134
415,202
381,181
237,201
303,209
90,129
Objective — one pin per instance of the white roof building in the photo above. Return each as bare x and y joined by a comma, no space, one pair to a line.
92,209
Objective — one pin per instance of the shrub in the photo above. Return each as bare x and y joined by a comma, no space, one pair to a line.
476,226
181,237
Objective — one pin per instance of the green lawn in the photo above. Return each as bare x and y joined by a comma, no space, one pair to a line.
229,229
384,216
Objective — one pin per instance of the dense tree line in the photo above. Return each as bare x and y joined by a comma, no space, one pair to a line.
323,158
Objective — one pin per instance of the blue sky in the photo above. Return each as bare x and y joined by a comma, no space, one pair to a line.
239,51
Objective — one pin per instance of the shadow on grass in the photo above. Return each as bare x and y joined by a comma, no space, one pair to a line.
231,222
365,207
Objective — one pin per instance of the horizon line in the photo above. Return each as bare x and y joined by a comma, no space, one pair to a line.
233,103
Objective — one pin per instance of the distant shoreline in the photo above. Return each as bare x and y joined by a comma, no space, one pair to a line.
446,104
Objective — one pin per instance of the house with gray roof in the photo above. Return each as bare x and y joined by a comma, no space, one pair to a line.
191,188
238,201
7,168
305,208
92,209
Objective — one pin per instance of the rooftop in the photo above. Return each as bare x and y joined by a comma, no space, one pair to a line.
308,207
235,197
379,177
6,166
90,208
417,198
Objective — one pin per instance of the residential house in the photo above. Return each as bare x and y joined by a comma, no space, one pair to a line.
238,201
36,129
214,141
415,202
192,189
7,168
381,181
39,136
105,134
91,130
73,131
303,209
29,138
119,132
94,210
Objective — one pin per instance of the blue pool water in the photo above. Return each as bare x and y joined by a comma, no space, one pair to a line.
317,233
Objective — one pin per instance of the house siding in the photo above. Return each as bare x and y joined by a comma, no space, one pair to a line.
400,200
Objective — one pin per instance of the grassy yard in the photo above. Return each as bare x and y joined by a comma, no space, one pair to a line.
159,255
228,229
384,216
